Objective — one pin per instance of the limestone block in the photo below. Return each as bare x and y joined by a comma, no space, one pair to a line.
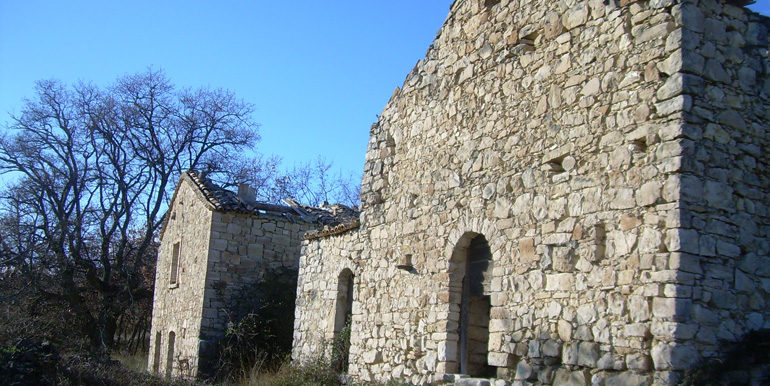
586,314
564,329
727,249
638,362
671,308
575,16
743,282
500,359
584,332
673,356
588,354
502,208
601,331
559,282
684,240
591,88
569,354
649,193
678,104
650,241
564,376
673,86
523,370
553,25
533,349
715,71
626,378
640,330
718,194
551,348
622,199
639,308
500,325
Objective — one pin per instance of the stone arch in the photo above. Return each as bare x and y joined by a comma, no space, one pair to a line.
343,314
470,276
458,239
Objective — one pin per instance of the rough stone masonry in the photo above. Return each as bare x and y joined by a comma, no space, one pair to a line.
562,192
214,244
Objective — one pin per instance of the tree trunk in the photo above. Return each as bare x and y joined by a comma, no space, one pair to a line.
110,326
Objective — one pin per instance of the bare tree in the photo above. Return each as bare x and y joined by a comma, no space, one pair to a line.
314,183
94,172
310,183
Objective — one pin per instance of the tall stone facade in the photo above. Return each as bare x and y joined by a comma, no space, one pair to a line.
562,192
214,244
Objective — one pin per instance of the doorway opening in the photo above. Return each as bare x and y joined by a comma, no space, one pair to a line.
472,259
342,320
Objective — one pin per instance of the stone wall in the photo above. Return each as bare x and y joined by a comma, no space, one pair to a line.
565,133
178,308
221,253
724,218
321,263
243,248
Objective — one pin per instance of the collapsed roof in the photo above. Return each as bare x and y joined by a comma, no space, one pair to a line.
331,218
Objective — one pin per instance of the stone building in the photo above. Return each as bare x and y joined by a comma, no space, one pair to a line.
215,243
561,192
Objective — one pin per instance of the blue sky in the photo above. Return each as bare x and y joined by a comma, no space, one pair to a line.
317,72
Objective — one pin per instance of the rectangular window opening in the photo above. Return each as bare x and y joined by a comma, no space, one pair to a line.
175,265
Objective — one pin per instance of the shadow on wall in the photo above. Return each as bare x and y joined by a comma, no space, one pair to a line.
259,330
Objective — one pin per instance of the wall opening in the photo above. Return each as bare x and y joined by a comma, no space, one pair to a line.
471,279
175,265
156,354
342,320
170,355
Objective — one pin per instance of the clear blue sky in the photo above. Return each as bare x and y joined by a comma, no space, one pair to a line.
317,72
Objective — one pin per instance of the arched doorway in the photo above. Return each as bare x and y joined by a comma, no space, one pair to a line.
471,278
343,312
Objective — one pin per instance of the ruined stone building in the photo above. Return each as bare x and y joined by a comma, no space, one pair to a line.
561,192
213,244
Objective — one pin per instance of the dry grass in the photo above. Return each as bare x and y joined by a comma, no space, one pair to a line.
134,362
317,372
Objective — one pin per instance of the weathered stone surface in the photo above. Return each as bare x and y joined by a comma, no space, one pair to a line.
566,377
523,371
671,356
588,354
623,379
575,16
220,252
612,156
649,193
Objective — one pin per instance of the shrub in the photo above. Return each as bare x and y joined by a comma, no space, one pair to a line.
260,329
318,371
27,362
340,349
